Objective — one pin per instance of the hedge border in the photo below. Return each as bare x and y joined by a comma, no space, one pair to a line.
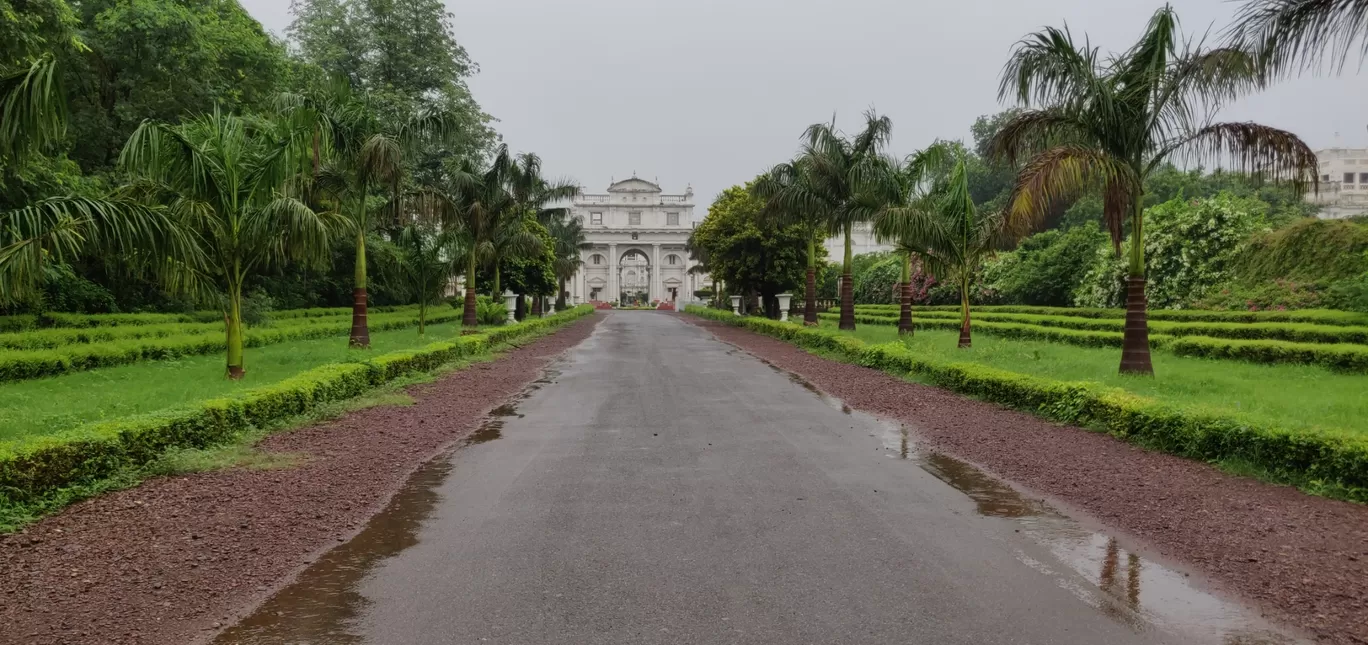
1305,456
1341,357
26,364
1320,316
33,466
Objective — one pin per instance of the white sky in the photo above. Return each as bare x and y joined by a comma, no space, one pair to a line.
713,92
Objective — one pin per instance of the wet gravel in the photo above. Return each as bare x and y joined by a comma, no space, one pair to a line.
1300,559
175,559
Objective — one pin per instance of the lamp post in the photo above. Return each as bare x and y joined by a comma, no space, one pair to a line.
511,303
784,299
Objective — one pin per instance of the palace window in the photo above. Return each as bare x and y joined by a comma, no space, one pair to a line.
1363,178
672,219
1348,177
596,218
1325,177
597,259
634,218
672,259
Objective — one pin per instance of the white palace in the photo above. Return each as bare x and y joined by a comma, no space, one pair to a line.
635,239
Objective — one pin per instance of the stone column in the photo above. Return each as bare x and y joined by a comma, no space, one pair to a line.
656,283
612,295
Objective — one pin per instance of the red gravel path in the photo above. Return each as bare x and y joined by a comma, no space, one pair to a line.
1301,558
169,561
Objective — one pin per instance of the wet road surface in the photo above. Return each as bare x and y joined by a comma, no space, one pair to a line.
658,486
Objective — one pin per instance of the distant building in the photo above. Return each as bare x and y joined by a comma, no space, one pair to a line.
861,241
635,235
1343,183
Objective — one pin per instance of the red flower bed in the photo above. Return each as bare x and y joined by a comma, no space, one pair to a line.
665,306
599,304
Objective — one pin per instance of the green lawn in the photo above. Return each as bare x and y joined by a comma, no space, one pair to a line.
53,404
1293,396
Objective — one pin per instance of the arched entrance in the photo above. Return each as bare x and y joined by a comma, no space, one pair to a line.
634,277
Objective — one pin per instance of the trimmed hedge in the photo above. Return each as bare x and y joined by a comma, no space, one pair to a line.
1318,316
1316,456
18,365
32,466
1288,331
80,321
1348,358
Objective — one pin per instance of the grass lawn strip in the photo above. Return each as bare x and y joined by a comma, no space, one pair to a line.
1347,358
33,467
58,403
1325,453
18,365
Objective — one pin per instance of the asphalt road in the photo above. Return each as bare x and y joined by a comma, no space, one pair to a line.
663,487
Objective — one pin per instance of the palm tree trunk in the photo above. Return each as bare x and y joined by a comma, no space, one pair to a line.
847,321
495,292
965,340
905,298
520,308
422,317
236,370
810,286
537,306
469,318
360,332
1135,347
560,295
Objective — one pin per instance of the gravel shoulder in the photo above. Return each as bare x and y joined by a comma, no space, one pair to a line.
1300,558
174,559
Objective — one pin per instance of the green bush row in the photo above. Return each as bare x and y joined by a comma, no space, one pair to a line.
52,338
1346,358
18,365
32,466
1302,455
24,322
1288,331
1318,316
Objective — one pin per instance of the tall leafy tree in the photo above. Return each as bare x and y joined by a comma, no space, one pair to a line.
403,52
755,255
424,257
789,193
838,168
568,234
1301,35
227,179
359,160
1109,122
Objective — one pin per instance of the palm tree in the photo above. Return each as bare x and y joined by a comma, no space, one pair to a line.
702,258
479,203
1288,35
789,193
33,115
355,155
225,179
938,222
1109,122
425,257
536,194
568,233
838,170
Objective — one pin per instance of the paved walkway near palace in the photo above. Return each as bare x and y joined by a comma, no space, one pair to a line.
661,486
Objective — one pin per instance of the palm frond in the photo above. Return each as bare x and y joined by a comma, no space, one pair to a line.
1262,151
1062,173
1032,131
1047,67
1291,36
33,108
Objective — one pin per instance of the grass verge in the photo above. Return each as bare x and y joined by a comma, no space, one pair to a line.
1319,460
41,474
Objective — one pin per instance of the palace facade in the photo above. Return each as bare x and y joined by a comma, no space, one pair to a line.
635,236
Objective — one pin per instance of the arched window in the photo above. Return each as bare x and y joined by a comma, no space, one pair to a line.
672,259
597,259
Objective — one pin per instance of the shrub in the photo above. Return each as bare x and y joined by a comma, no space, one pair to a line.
1046,268
489,312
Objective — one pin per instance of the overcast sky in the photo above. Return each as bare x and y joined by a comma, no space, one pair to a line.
712,92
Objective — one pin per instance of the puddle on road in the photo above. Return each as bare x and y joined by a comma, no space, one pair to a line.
322,605
1120,583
